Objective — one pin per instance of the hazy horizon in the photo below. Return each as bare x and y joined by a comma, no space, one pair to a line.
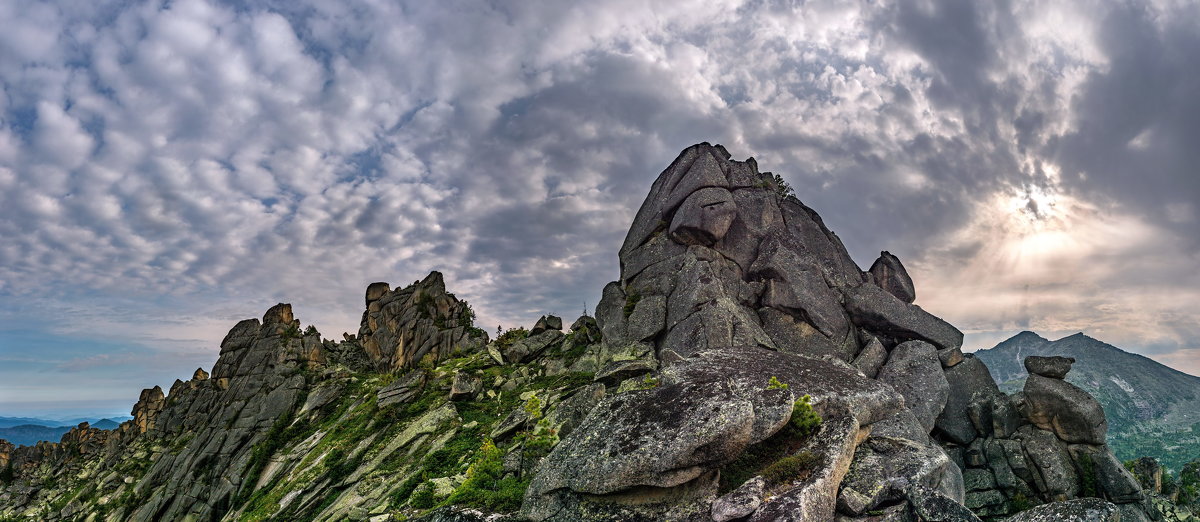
170,168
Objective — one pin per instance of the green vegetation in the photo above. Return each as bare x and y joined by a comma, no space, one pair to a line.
783,188
1189,483
1087,476
775,384
291,331
791,468
1020,502
510,337
486,486
804,420
780,455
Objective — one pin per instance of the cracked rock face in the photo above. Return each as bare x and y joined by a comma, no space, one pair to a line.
727,285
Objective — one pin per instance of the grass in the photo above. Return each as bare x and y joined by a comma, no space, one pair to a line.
776,458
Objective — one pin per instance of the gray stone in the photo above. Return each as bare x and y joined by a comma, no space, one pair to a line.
902,425
464,387
1055,367
978,479
704,217
871,358
890,275
930,505
913,370
950,357
1078,510
969,382
878,311
885,468
1055,476
706,411
530,347
741,502
615,372
1065,409
977,500
1113,479
402,390
547,322
794,285
648,319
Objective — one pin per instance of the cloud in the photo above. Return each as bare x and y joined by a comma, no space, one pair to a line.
169,167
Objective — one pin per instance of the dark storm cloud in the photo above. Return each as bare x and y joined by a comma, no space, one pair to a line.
1029,161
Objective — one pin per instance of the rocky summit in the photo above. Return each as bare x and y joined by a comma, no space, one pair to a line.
743,368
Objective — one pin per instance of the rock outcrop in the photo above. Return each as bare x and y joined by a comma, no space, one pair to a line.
402,326
743,368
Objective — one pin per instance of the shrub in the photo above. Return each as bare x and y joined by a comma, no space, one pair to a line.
423,497
1087,476
486,487
804,420
783,188
776,384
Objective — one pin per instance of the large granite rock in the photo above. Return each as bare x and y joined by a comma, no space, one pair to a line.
874,309
1078,510
706,411
1054,367
971,388
1068,411
889,274
914,371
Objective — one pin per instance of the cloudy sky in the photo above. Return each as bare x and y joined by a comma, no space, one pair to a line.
170,167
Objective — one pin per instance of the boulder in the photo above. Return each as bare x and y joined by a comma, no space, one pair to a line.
1078,510
890,275
1111,478
1056,478
1055,367
913,370
707,409
464,387
884,469
878,311
1061,407
547,322
200,375
614,372
969,383
740,502
930,505
402,390
871,358
530,347
950,357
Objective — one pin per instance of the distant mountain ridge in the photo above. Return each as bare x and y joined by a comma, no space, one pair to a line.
1152,409
28,434
8,422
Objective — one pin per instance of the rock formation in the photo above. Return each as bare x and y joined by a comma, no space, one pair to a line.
402,326
742,368
728,285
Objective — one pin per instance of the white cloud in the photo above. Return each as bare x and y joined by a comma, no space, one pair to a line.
229,156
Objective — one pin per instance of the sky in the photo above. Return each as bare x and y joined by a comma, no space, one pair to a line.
168,168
